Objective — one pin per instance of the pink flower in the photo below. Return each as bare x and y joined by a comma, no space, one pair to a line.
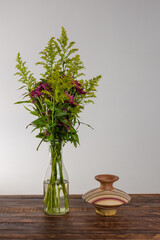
38,90
79,87
45,132
60,123
71,99
63,124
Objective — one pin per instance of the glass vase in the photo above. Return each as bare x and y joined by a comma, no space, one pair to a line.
56,182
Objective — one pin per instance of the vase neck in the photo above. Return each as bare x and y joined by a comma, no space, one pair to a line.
55,142
106,181
55,148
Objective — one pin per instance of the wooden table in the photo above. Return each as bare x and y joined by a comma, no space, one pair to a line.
22,217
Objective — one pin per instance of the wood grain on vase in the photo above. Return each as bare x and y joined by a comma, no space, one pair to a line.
106,198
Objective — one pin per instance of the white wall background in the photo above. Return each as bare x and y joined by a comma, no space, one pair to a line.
119,39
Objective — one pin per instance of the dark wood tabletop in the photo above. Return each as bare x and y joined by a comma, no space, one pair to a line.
22,217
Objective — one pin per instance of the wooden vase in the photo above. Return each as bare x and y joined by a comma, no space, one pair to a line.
106,198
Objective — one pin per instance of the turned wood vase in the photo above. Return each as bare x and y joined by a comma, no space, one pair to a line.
106,198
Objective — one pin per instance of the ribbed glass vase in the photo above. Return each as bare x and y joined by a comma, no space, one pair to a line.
56,182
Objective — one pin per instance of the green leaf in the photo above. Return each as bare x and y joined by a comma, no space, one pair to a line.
40,135
86,125
40,122
34,113
34,129
27,109
39,144
60,114
21,87
64,121
51,137
23,102
75,143
75,136
72,129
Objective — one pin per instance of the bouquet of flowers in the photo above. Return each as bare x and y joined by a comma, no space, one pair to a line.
56,99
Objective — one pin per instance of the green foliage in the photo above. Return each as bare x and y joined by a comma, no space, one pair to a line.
26,77
58,97
90,88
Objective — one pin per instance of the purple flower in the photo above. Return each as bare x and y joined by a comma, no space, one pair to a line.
63,124
79,87
45,132
38,91
71,99
80,90
60,123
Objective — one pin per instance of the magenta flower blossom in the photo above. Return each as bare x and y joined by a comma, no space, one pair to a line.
45,132
38,91
79,87
71,99
62,124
